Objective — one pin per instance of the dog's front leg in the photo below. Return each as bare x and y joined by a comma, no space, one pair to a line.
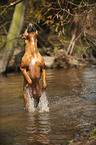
26,75
44,79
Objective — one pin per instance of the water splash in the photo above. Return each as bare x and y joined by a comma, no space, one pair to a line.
32,104
43,104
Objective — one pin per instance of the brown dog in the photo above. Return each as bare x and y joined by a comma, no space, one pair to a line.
32,65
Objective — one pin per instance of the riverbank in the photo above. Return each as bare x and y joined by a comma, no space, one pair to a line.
58,60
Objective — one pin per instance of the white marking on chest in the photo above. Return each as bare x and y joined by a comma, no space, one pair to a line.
33,41
34,60
34,49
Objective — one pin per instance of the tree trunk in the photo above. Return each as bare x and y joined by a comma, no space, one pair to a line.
14,31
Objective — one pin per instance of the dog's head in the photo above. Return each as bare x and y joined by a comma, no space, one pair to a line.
31,30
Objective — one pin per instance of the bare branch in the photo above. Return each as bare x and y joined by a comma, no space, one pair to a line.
4,25
4,9
11,4
88,5
14,3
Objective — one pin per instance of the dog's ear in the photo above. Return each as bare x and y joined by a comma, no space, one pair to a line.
31,28
36,32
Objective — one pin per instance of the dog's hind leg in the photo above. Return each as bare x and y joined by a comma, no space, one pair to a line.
25,99
25,85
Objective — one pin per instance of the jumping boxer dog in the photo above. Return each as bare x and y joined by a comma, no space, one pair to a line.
32,65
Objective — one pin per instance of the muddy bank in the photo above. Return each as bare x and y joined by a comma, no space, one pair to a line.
62,60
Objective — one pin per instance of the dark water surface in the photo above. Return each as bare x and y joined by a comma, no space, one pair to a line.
71,108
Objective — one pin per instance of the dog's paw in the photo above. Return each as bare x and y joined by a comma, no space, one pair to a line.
30,81
43,88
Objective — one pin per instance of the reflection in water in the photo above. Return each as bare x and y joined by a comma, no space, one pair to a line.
38,128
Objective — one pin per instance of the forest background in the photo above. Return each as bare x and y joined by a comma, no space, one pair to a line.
66,28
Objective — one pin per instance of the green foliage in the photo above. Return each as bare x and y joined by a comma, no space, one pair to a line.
71,141
94,130
59,17
35,10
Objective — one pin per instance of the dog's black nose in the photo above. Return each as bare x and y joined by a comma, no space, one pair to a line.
31,28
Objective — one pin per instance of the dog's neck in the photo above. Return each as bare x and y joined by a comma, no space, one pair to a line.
31,45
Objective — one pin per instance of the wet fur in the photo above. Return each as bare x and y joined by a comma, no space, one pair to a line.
32,65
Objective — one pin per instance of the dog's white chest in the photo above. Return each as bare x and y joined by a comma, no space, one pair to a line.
33,41
34,60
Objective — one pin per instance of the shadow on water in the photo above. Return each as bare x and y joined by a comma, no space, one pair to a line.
70,108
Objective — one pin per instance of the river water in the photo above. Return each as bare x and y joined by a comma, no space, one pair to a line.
72,107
